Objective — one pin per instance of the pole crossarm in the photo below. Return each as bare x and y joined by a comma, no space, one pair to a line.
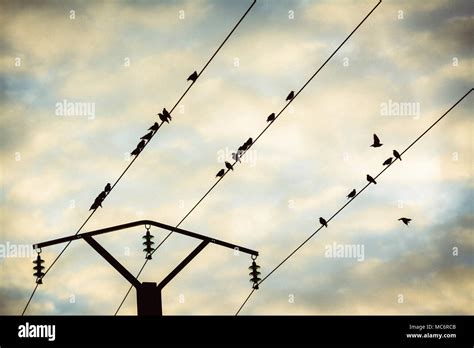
145,222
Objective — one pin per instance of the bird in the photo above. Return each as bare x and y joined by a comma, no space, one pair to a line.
323,222
163,117
95,205
248,143
147,136
370,179
290,96
135,152
220,173
397,155
236,157
376,141
107,188
351,194
155,127
405,220
193,77
229,166
101,196
141,145
271,118
387,161
166,114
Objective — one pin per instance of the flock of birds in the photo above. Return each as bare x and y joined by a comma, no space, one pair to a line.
165,116
371,180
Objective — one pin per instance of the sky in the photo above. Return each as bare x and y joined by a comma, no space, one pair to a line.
128,60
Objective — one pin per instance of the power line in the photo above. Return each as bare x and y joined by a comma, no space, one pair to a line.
134,159
348,202
243,152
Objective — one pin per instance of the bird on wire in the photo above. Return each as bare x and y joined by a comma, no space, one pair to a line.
290,96
220,174
397,155
388,161
323,222
229,166
271,118
371,180
193,77
351,194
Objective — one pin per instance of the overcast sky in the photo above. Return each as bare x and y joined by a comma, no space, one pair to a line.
53,166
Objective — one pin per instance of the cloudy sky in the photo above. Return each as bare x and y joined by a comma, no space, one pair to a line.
131,59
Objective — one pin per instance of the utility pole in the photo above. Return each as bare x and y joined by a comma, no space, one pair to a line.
148,293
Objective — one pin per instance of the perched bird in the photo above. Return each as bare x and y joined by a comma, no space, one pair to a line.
405,220
376,141
135,152
193,77
387,161
101,196
229,166
351,194
271,118
155,127
371,180
163,117
141,145
397,155
95,205
107,188
248,143
241,149
147,136
236,157
290,96
166,114
323,222
220,173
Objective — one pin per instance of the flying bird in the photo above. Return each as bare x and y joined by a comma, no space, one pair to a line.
236,157
405,220
271,118
351,194
387,161
193,77
397,155
371,180
155,127
323,222
220,173
290,96
147,136
229,166
376,141
107,188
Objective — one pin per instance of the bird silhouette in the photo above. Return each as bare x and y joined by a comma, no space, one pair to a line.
155,127
107,188
166,114
351,194
163,117
405,220
290,96
271,118
387,161
193,77
229,166
248,143
397,155
147,136
95,205
323,222
220,173
135,152
101,196
376,141
236,157
98,200
141,144
371,180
